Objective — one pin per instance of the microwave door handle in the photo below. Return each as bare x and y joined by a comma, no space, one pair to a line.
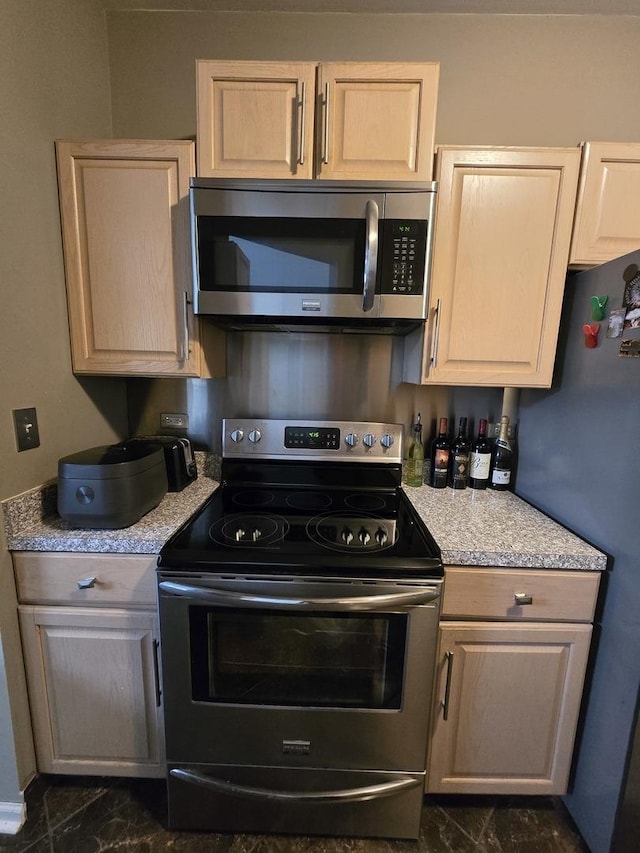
229,598
343,795
370,255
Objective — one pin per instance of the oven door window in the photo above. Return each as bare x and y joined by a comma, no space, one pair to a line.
275,255
313,660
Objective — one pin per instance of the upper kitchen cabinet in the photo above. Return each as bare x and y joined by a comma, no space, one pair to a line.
607,222
333,121
503,230
125,230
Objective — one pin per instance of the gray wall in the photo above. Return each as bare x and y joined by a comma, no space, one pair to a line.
55,83
504,80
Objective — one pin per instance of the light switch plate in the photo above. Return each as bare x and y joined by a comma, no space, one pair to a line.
26,426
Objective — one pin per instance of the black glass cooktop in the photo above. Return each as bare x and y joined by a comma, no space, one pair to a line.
278,518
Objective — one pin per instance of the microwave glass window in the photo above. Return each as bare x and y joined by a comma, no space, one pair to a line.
311,660
271,255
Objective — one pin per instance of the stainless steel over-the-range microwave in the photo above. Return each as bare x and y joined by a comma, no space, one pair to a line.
312,252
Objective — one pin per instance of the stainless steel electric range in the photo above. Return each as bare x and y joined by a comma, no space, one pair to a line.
298,612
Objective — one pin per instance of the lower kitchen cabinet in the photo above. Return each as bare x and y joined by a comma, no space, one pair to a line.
509,687
91,659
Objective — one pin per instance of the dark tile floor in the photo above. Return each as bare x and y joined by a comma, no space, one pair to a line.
98,815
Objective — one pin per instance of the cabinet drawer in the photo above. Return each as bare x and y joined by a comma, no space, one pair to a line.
87,579
495,594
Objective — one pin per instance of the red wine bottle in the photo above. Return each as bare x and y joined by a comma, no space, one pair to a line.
440,451
480,459
459,458
501,459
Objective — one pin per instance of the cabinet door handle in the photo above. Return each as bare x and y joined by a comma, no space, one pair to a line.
302,111
183,355
156,673
433,358
447,688
86,583
325,141
523,598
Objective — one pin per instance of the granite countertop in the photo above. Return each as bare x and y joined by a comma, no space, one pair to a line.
487,528
472,528
32,523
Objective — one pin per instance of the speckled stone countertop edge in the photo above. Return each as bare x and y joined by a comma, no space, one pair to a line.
472,528
32,524
487,528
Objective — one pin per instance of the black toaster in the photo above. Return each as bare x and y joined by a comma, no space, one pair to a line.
178,457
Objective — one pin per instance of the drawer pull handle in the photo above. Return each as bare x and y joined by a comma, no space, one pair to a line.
87,583
522,598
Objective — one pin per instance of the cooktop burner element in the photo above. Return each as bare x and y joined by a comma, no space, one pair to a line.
310,498
253,498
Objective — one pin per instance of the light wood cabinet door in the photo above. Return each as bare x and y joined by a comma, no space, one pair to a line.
93,687
503,229
335,121
125,228
255,119
607,220
507,704
378,120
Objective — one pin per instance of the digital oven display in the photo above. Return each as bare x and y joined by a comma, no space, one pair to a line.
313,438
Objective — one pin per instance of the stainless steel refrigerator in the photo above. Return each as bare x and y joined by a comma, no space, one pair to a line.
579,462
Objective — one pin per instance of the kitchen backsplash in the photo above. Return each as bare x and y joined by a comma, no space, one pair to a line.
301,375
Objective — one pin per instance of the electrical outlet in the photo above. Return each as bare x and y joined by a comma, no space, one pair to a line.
26,426
174,421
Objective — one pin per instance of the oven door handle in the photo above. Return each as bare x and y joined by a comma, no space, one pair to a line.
227,598
344,795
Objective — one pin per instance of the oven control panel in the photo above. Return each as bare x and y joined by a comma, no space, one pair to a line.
296,439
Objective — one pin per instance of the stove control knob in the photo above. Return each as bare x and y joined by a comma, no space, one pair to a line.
237,435
369,440
254,436
387,440
364,536
347,536
381,536
240,534
256,534
351,439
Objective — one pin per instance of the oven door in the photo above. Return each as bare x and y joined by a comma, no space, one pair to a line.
286,254
297,672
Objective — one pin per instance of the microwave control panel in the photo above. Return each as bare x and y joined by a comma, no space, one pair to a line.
404,253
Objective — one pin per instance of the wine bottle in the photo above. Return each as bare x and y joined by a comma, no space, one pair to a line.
501,458
480,459
415,456
459,458
440,452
